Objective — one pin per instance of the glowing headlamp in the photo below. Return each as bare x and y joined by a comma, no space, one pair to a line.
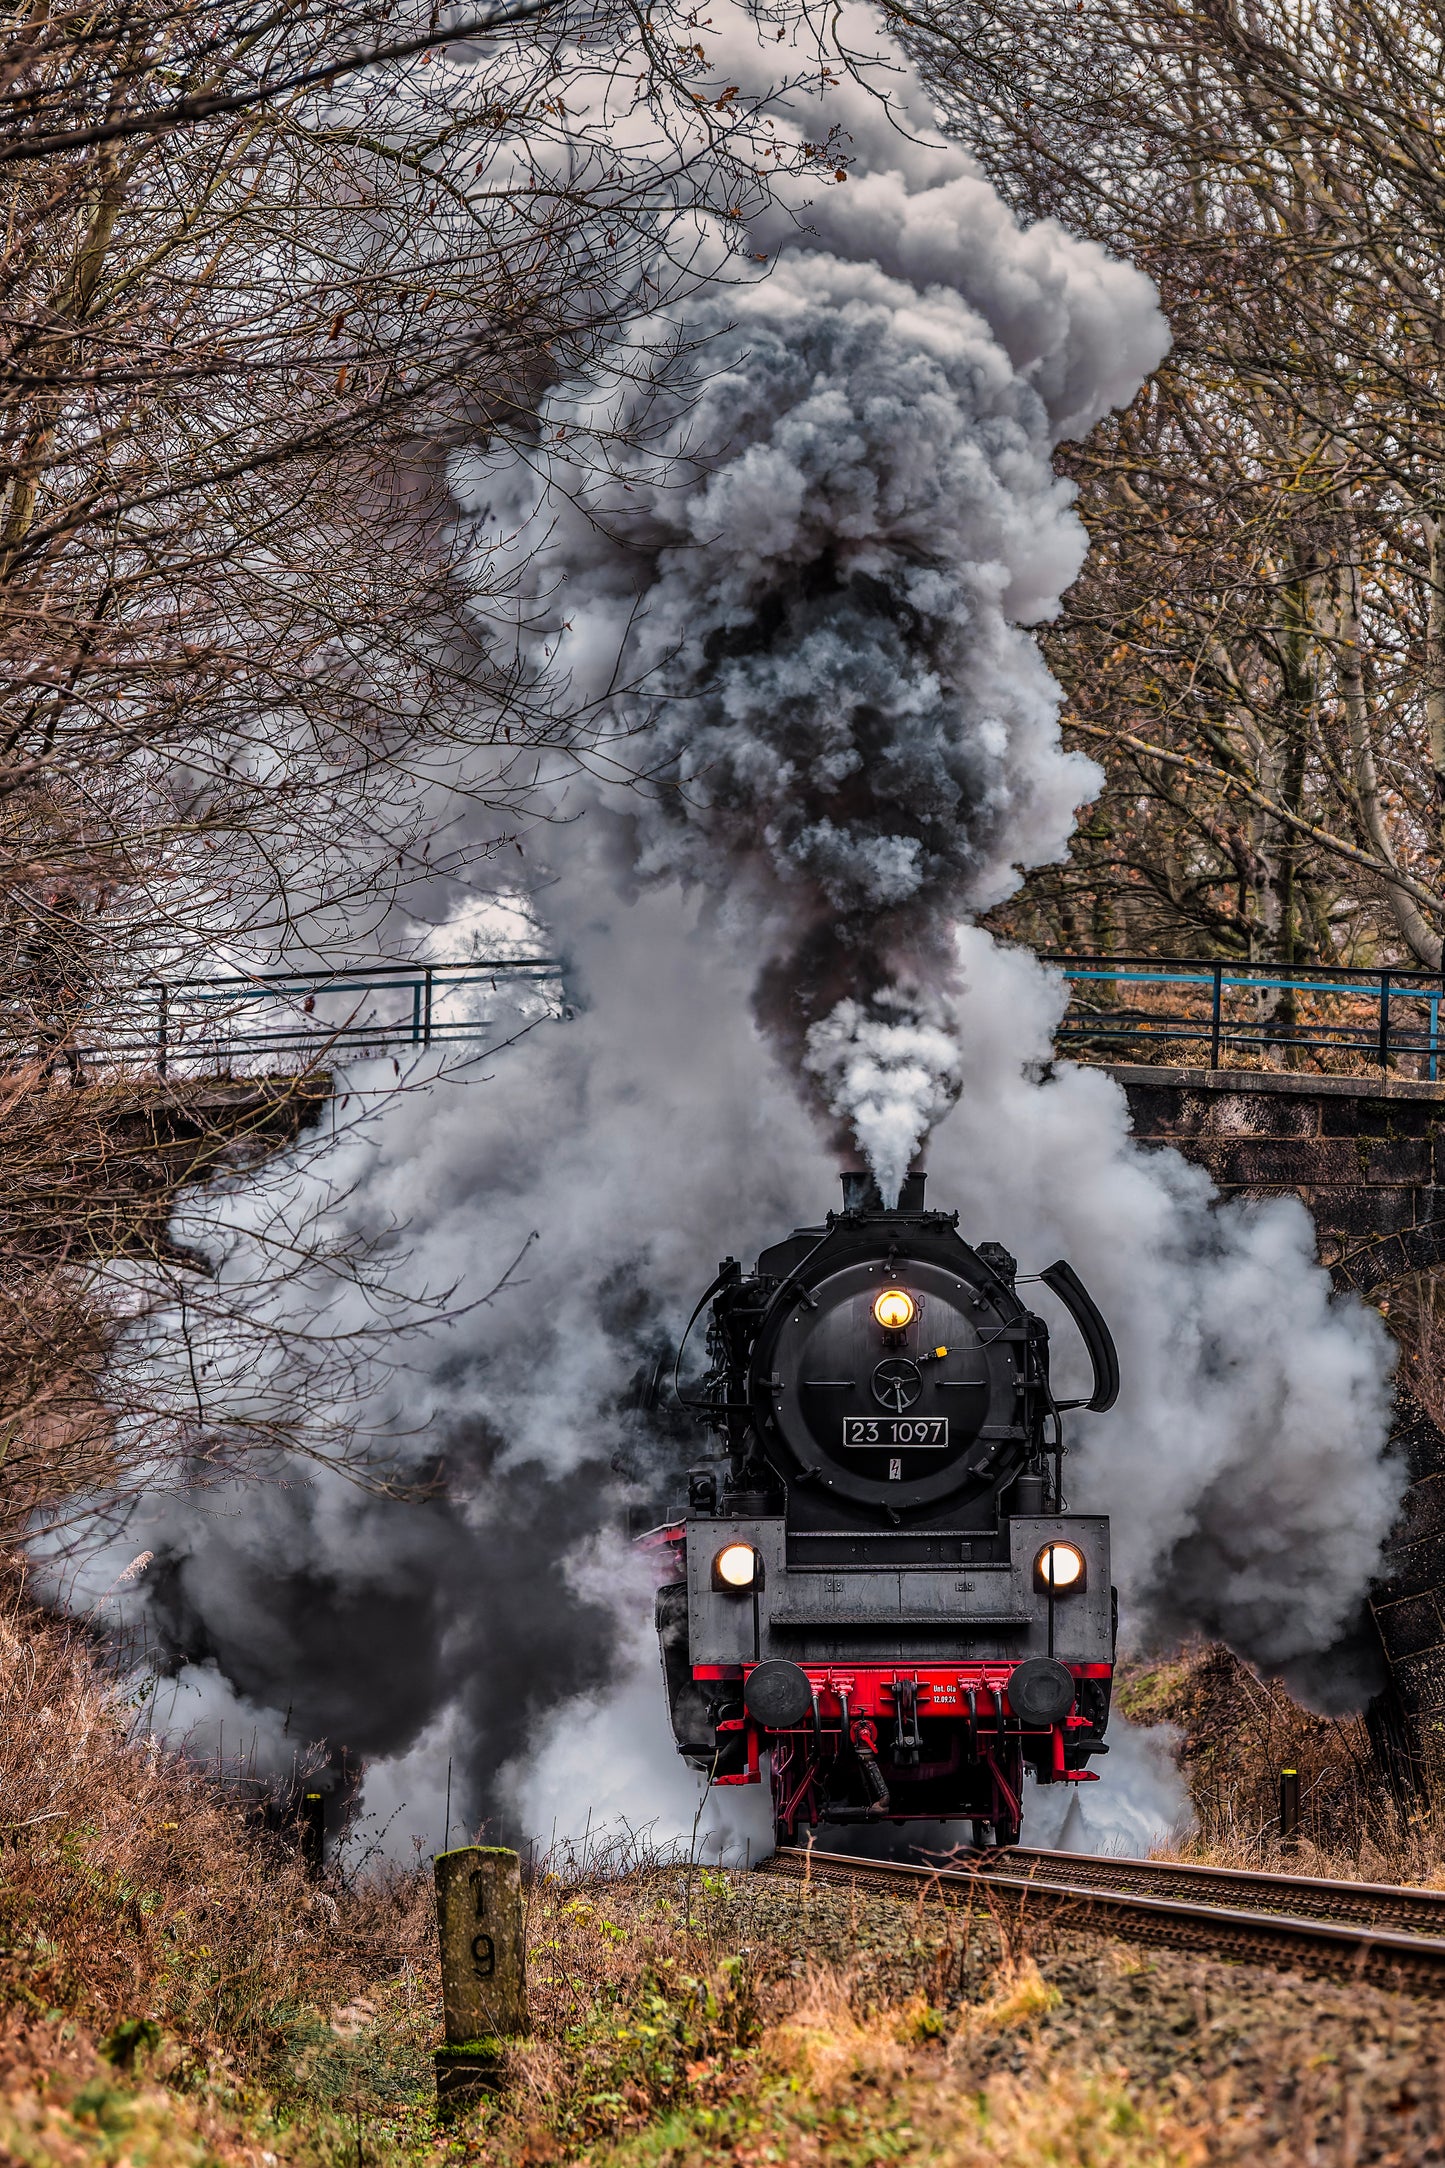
736,1566
1060,1570
894,1309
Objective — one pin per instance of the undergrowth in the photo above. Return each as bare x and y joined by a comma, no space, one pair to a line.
175,1989
1237,1731
165,1962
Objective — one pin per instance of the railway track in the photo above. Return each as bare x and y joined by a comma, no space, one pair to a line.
1388,1936
1306,1897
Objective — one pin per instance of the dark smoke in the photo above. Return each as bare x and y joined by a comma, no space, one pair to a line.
458,1603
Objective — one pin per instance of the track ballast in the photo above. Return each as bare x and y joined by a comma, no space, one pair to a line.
1391,1937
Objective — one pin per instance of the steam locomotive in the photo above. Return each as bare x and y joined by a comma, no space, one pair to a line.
875,1583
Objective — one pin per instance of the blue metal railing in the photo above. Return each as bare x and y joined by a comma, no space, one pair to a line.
1144,1006
254,1018
1387,1019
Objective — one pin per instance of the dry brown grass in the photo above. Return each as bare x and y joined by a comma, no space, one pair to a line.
916,2067
1237,1731
130,1889
643,1996
1078,2052
173,1986
679,2019
676,2029
173,1989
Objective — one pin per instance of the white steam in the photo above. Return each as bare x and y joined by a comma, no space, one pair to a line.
891,1073
1139,1802
1242,1463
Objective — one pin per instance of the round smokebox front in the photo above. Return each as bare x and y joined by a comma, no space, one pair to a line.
888,1378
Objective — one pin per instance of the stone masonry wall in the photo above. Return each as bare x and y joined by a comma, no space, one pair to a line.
1368,1158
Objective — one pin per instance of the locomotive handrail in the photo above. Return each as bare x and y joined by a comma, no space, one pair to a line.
1385,1018
1093,1330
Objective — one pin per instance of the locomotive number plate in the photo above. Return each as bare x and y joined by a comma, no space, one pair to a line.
895,1430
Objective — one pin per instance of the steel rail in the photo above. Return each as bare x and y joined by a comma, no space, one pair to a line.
1247,1889
1095,1896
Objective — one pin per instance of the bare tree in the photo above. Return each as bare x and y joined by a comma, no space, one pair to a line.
234,629
260,681
1257,646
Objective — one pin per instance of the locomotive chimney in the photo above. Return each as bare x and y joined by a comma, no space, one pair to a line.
860,1193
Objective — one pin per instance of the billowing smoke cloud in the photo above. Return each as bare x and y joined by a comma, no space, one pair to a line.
814,563
1243,1460
837,744
615,1155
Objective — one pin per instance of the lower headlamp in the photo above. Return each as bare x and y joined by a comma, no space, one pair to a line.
1060,1569
737,1567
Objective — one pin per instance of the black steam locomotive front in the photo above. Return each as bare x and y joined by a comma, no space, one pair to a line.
876,1583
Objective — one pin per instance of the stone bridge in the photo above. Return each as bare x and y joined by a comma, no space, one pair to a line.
1367,1155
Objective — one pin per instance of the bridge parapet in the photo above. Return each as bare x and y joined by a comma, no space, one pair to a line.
1367,1155
1319,1016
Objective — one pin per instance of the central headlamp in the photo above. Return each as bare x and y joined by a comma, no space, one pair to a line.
736,1566
1060,1570
894,1309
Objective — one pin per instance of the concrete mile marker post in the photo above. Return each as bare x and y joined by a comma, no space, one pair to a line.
484,1979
